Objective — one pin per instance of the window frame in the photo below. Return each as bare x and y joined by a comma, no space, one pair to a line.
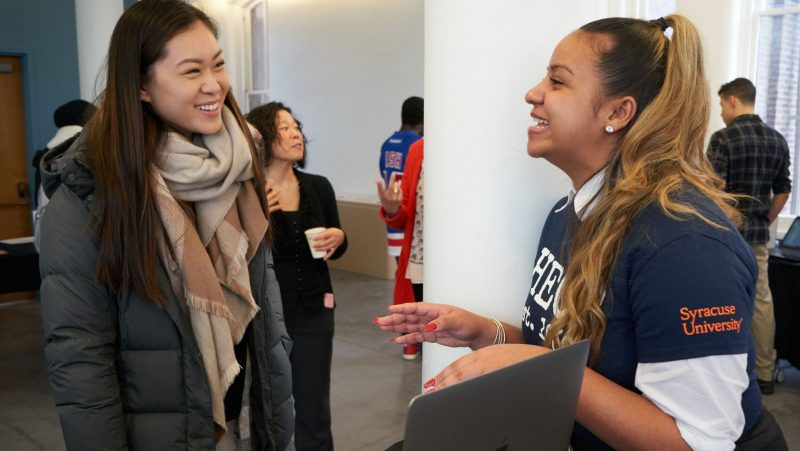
752,14
247,30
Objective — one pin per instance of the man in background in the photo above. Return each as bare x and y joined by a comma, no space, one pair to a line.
753,159
393,157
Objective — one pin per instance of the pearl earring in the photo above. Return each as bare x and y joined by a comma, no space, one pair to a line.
609,129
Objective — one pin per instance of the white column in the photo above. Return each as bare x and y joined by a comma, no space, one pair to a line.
719,24
95,21
485,199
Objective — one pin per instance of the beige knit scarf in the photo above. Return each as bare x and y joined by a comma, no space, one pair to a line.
214,173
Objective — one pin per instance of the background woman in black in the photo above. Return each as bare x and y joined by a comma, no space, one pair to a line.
297,202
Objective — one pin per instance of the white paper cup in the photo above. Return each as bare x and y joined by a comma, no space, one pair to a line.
310,234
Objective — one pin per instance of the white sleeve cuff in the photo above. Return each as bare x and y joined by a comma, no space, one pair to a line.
704,395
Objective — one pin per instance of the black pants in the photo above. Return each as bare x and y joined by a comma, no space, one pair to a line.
766,435
417,287
311,380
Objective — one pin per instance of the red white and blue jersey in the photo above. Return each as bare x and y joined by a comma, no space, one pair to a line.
393,160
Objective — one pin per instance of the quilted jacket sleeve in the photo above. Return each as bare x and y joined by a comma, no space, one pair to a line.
280,346
80,325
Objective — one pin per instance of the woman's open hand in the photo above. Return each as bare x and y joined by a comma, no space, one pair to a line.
436,323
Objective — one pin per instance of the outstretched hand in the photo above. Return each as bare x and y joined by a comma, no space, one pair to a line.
436,323
455,327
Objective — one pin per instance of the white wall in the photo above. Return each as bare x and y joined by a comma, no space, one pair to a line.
485,198
345,67
719,23
95,21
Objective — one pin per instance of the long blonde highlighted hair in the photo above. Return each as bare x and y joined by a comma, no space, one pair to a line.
662,151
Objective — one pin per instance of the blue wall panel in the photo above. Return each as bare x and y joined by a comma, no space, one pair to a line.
43,33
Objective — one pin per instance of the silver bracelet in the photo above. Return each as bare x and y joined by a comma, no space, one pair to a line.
500,332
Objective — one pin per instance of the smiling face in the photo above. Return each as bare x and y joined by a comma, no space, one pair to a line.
568,122
288,144
186,88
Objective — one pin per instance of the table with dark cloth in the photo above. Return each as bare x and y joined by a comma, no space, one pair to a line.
19,268
784,282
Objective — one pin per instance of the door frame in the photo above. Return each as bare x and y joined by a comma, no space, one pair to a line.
32,130
28,110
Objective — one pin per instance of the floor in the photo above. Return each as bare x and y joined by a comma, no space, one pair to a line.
371,389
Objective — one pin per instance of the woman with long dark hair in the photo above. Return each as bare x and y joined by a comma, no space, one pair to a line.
642,258
162,316
300,202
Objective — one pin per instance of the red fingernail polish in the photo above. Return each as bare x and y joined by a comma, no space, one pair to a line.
375,320
430,383
430,327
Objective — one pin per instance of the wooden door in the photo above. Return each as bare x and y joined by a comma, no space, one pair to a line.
15,215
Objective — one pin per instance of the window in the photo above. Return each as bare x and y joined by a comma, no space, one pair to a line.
777,80
258,94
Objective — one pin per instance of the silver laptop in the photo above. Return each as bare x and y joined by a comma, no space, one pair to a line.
789,247
529,405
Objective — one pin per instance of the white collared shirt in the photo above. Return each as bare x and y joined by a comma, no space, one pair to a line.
580,198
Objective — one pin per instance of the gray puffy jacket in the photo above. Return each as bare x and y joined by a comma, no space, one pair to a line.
125,373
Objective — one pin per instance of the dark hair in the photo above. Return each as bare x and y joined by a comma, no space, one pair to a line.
74,112
413,111
636,61
741,88
123,141
660,151
264,118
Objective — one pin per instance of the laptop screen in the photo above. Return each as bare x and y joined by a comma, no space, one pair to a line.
792,238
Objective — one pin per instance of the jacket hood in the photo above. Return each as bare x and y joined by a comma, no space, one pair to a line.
67,164
63,134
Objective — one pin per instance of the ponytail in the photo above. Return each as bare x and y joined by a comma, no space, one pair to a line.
660,152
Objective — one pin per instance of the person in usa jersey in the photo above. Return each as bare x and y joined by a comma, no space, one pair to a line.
642,257
393,158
